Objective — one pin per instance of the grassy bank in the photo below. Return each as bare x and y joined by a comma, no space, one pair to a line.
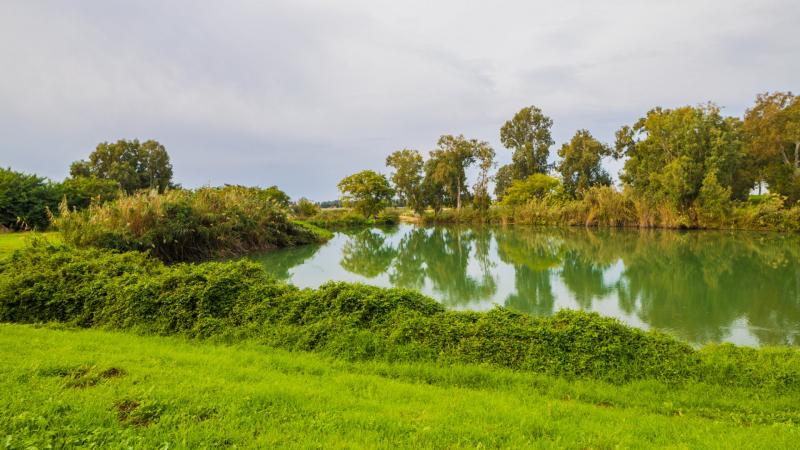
607,207
89,388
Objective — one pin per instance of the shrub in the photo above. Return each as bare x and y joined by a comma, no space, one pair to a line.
80,192
305,208
535,186
186,225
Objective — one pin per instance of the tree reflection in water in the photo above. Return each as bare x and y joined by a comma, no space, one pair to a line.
695,284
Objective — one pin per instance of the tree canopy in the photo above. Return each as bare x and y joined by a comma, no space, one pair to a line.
367,192
670,151
134,165
772,130
580,166
527,134
407,177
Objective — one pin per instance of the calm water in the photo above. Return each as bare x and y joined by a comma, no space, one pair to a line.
701,286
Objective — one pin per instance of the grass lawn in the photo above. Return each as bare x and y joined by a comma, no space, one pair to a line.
12,241
82,388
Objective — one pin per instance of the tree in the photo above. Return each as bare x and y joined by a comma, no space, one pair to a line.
535,186
528,135
367,192
25,200
580,166
433,191
407,177
485,156
670,151
449,161
772,133
502,180
132,164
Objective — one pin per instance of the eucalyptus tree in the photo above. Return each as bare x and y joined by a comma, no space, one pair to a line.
448,164
408,177
670,152
527,134
580,165
484,154
772,132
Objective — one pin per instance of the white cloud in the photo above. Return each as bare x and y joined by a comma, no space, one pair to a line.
301,93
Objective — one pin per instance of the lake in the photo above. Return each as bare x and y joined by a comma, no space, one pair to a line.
702,286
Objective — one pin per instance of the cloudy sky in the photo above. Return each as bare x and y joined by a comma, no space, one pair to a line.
301,93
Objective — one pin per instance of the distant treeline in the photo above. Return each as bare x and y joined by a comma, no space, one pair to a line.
684,167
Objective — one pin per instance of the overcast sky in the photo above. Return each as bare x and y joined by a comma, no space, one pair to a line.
302,93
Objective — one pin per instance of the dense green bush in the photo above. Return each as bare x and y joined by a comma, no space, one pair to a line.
185,225
237,300
346,218
25,200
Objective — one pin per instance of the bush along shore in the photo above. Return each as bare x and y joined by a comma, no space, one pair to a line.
182,225
607,207
235,301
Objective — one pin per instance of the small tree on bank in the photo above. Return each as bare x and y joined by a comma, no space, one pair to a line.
368,192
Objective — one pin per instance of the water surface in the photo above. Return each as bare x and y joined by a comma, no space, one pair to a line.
703,286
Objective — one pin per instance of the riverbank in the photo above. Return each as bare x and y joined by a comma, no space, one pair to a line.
82,388
607,208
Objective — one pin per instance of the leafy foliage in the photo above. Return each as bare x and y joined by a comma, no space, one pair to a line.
535,186
528,135
25,200
580,167
134,165
186,225
407,178
99,288
772,128
368,192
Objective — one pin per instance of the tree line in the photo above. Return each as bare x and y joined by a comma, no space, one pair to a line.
680,158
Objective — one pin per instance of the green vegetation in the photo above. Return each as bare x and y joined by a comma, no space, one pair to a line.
688,167
26,201
341,218
9,242
182,225
134,165
367,192
71,388
237,300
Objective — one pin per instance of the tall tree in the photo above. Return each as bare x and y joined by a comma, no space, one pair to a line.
484,154
449,163
670,151
502,180
527,134
407,177
580,166
772,133
367,192
133,164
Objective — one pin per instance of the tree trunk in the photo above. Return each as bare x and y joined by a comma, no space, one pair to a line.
458,195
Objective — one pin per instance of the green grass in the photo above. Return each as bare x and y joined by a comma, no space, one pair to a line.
83,388
14,241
